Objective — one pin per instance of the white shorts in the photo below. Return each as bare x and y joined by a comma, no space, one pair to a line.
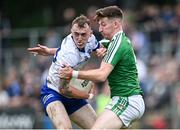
127,109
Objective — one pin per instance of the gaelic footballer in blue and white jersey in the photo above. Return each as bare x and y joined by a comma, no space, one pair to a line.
69,54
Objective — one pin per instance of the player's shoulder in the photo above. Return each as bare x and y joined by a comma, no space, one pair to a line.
92,38
67,40
92,41
68,43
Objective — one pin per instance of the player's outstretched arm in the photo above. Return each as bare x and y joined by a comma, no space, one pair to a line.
42,50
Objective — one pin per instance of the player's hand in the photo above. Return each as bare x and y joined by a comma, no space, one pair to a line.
93,89
65,72
40,50
92,92
101,52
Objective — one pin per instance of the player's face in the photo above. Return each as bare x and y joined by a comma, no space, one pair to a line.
81,35
106,28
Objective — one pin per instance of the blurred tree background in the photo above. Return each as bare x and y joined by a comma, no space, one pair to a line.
39,13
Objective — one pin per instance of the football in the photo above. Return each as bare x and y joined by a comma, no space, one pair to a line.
82,85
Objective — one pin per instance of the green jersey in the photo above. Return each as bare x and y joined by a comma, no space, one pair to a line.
123,80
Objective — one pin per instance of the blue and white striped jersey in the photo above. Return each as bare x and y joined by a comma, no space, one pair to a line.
69,54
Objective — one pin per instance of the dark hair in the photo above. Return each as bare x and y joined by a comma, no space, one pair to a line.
81,21
109,12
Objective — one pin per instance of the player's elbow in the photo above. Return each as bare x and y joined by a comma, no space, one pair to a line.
65,91
101,77
102,73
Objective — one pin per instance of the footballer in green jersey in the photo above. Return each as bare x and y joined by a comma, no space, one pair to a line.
123,79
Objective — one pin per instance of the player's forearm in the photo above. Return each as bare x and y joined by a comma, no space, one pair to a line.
94,75
74,93
52,51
